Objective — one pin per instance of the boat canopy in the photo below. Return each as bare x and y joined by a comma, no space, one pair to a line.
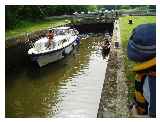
61,28
63,37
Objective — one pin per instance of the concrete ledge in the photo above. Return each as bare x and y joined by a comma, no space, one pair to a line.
114,97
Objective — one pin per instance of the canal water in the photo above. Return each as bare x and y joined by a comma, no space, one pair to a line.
68,88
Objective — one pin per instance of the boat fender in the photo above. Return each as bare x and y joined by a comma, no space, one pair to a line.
63,53
78,40
73,46
34,58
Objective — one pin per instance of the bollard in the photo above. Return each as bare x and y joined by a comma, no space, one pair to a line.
130,21
116,44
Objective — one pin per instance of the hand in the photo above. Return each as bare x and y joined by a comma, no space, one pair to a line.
135,114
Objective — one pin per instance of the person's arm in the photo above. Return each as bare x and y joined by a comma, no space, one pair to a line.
47,35
109,45
149,92
152,102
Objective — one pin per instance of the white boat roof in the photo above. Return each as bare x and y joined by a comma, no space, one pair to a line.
44,49
61,28
55,39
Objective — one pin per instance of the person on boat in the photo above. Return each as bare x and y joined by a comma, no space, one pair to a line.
142,50
50,37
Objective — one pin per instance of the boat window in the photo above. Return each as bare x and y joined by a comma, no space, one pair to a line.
67,31
76,32
64,40
72,32
60,32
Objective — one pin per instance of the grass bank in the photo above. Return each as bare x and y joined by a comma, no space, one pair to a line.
24,27
126,30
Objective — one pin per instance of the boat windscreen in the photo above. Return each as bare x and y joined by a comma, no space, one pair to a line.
61,32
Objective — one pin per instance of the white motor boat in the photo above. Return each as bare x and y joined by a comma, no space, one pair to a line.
64,41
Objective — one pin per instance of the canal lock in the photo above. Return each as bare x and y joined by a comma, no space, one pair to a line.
16,55
16,49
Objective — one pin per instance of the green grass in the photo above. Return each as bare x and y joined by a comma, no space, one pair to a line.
126,30
24,27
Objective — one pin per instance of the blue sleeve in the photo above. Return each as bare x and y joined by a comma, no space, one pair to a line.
152,103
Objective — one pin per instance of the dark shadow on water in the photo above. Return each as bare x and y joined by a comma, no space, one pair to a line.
33,71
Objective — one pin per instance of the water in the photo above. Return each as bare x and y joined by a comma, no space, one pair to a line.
68,88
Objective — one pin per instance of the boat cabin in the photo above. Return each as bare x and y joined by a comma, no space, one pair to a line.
64,31
63,36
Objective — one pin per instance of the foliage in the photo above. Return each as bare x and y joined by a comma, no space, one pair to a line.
33,13
24,27
126,7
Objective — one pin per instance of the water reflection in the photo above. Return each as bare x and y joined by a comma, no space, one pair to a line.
68,88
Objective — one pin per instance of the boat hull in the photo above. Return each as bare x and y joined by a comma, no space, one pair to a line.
54,56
